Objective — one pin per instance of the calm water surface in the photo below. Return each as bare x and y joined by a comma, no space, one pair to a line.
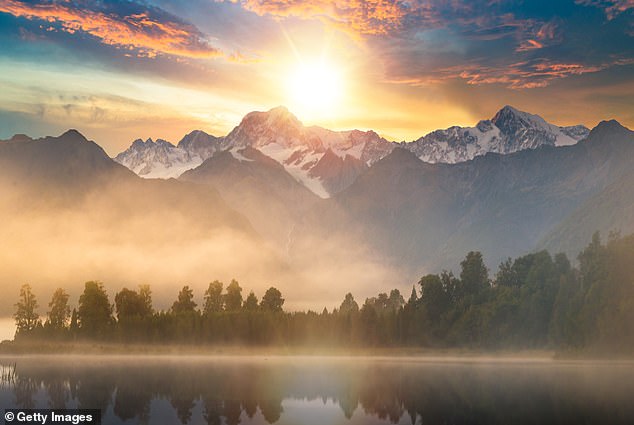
310,390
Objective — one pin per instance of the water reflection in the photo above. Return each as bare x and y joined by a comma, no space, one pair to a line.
290,390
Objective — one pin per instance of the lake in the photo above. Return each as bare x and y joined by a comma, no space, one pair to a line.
323,390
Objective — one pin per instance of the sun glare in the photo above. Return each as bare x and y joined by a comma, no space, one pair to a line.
315,89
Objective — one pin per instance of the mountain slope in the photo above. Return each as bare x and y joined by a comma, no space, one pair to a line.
69,159
510,130
259,188
426,216
324,161
610,210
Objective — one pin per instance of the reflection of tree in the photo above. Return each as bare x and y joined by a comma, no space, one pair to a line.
232,412
130,402
95,391
348,403
381,396
271,410
24,389
429,394
250,407
183,406
212,410
57,393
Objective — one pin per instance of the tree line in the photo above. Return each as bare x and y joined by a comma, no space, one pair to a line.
533,301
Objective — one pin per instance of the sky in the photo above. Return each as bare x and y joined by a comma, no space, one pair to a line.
121,70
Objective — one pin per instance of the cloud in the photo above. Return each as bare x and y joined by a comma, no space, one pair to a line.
612,7
519,75
529,44
364,17
527,75
142,30
548,31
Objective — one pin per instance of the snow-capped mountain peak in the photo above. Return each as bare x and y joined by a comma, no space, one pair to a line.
160,159
258,129
301,150
327,161
510,130
198,143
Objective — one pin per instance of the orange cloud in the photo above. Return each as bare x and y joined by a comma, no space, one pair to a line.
529,45
140,31
365,17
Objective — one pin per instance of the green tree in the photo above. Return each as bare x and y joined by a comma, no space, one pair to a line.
251,303
74,322
369,321
95,311
214,302
348,305
59,312
185,302
26,317
413,298
396,300
130,305
272,300
233,297
506,275
145,293
474,276
434,298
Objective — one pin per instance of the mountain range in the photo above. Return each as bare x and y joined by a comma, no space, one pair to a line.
327,162
318,211
428,215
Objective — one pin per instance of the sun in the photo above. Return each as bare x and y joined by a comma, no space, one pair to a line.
315,89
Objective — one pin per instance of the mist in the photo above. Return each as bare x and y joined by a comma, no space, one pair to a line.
168,234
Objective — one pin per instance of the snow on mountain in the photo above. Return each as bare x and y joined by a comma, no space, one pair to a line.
324,161
510,130
159,159
327,161
276,133
200,143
